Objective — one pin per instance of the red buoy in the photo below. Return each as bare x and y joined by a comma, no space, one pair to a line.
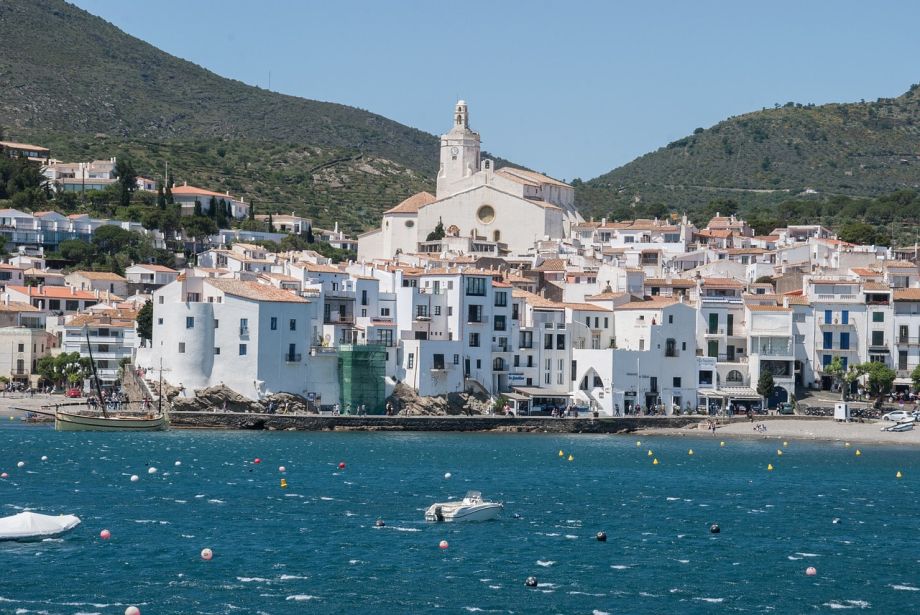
341,465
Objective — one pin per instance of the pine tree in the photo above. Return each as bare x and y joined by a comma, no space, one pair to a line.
310,237
212,207
161,197
197,210
168,193
252,211
271,227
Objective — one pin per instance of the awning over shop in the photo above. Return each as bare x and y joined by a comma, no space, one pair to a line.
731,393
538,392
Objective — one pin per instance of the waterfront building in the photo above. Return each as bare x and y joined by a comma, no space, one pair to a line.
110,335
20,349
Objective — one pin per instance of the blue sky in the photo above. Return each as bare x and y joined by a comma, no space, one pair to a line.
572,88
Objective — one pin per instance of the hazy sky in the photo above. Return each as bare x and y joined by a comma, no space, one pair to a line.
571,88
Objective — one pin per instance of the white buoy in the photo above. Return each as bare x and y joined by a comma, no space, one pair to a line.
44,457
282,469
177,464
132,610
447,475
206,554
151,470
21,464
135,478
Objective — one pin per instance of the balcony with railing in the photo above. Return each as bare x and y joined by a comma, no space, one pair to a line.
292,357
904,340
335,318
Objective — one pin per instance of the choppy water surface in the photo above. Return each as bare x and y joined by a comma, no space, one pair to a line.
313,546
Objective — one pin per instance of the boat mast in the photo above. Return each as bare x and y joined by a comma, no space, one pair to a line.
92,363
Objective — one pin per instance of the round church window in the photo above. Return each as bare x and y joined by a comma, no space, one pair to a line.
486,214
409,223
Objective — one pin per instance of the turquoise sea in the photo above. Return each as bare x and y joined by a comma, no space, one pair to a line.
313,547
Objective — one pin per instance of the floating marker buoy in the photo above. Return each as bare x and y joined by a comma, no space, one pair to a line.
443,544
151,470
44,457
601,536
649,452
531,582
571,458
132,610
655,461
858,453
785,444
206,554
283,484
341,465
714,528
21,464
282,469
721,443
4,475
177,464
779,452
379,523
835,520
257,460
135,478
690,452
105,534
638,443
447,475
561,454
846,443
811,571
898,475
769,466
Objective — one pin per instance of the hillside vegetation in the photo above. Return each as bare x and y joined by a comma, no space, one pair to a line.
763,158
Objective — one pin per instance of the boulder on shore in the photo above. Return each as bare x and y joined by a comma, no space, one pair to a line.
221,397
407,401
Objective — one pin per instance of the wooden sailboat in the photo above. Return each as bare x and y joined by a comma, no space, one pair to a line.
73,421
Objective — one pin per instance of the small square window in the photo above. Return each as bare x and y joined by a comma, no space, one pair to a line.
676,382
242,350
159,321
293,324
273,323
189,322
181,347
217,351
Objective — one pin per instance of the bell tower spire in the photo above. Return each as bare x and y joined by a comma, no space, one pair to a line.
460,149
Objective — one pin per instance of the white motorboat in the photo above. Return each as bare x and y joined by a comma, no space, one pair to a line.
471,508
33,526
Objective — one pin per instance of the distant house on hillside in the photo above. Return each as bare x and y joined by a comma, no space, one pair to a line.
284,223
83,176
187,196
35,153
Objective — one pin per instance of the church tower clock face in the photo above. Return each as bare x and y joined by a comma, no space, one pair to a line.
455,150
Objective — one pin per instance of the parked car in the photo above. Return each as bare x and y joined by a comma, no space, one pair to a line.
785,408
74,392
897,415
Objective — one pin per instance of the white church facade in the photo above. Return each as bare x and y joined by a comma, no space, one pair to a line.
501,212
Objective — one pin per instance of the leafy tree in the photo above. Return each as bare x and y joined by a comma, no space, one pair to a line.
765,384
168,190
838,374
437,233
252,211
271,227
76,251
67,367
879,378
197,210
915,377
862,233
145,321
127,180
310,237
199,226
212,207
764,279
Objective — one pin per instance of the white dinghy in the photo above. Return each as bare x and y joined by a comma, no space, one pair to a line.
33,526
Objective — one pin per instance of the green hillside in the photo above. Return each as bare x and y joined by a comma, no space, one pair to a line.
861,149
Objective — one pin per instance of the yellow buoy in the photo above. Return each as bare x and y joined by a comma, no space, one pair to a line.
561,454
779,452
655,462
571,458
769,466
690,452
721,443
649,452
898,475
858,453
283,484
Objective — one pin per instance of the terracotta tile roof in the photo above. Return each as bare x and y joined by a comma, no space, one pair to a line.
254,290
57,292
651,304
536,300
497,284
15,145
122,319
551,264
766,237
100,275
158,268
194,191
607,296
875,286
768,308
528,177
586,307
316,268
17,306
797,300
413,203
900,265
907,294
642,224
676,282
722,283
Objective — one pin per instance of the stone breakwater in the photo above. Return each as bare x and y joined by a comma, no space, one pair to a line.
313,422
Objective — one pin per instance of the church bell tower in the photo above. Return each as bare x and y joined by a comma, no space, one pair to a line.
459,151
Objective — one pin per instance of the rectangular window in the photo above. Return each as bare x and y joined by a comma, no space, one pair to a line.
501,299
216,323
670,319
244,326
878,337
22,347
653,384
421,311
181,347
878,316
560,341
670,347
364,297
828,340
826,360
437,310
384,311
476,287
160,299
159,321
456,359
450,310
293,324
828,317
606,326
526,339
547,378
437,361
274,323
844,341
217,351
844,317
242,350
559,378
676,382
410,363
474,340
713,323
189,322
548,341
683,345
474,313
499,323
902,359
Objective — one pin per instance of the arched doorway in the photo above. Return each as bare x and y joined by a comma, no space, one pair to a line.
779,396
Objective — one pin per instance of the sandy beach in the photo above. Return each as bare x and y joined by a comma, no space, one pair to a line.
793,429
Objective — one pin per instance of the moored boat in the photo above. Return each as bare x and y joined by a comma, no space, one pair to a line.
69,421
33,526
471,508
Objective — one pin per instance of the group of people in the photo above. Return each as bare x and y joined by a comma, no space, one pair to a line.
112,401
19,387
360,410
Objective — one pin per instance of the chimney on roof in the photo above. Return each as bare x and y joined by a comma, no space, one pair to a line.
41,289
96,293
73,291
185,183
